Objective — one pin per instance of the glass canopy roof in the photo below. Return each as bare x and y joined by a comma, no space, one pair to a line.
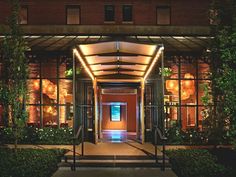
114,59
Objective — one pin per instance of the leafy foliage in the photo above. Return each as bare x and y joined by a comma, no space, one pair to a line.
195,163
69,72
226,157
33,135
13,88
166,72
29,162
224,66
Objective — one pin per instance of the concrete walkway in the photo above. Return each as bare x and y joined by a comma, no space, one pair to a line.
126,148
101,145
115,172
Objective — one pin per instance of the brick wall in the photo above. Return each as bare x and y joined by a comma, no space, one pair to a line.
44,12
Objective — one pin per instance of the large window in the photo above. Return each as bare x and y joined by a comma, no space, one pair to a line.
163,15
50,92
183,91
127,13
23,15
109,13
72,15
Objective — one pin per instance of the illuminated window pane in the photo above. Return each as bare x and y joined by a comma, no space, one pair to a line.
34,115
49,91
188,82
65,90
34,91
73,15
50,116
115,113
66,115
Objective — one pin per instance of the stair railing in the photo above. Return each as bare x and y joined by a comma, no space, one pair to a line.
76,137
159,133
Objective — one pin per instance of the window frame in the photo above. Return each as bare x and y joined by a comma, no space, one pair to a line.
73,7
163,7
123,14
109,5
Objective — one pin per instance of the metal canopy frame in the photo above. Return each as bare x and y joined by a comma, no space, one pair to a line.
142,58
67,42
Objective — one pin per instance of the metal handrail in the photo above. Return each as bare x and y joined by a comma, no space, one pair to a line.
164,139
74,142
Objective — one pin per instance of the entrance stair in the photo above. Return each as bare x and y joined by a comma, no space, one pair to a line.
113,161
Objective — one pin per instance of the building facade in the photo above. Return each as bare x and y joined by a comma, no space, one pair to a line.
114,46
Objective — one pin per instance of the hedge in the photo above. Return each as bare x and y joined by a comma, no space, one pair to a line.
29,162
33,135
195,163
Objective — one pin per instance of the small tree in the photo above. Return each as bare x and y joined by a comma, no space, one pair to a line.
13,87
224,64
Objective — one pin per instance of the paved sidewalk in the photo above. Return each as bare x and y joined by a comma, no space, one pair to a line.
115,172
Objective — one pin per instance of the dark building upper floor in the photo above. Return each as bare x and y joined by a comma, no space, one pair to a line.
118,12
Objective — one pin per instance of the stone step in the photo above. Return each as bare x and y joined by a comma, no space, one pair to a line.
109,161
115,160
114,172
64,165
113,157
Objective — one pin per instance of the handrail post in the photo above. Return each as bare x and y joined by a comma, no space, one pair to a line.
163,155
73,168
74,107
156,145
82,145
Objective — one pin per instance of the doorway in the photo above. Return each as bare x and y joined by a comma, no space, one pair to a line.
118,115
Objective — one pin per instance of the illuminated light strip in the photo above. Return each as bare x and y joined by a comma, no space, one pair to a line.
83,63
120,80
153,62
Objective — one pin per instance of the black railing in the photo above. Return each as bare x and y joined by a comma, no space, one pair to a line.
74,147
163,139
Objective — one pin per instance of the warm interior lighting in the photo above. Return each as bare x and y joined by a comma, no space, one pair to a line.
83,63
153,62
50,89
187,86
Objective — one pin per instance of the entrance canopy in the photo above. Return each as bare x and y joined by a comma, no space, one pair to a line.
118,59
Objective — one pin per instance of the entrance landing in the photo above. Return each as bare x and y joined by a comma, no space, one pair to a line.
114,172
122,149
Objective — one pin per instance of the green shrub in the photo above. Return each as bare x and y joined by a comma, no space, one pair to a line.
195,163
54,135
226,157
194,137
175,135
29,162
33,135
